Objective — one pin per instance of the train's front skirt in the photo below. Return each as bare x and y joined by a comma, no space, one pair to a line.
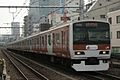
83,67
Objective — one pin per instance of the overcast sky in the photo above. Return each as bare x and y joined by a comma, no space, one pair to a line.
6,15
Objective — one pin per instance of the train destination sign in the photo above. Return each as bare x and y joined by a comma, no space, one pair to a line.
90,24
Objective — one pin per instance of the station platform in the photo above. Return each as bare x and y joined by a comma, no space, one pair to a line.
3,72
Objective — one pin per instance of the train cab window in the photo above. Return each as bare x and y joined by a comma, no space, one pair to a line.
49,39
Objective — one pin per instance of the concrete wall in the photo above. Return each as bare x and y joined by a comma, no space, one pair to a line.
101,7
114,28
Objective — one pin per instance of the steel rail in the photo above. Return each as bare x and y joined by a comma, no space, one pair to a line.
37,73
109,75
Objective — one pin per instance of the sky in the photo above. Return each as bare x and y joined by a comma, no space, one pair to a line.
6,14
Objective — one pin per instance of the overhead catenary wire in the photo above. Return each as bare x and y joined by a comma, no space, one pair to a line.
57,10
17,13
20,9
36,7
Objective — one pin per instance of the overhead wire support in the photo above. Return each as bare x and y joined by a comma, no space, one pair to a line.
36,7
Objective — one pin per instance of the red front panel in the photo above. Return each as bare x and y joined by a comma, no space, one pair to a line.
83,47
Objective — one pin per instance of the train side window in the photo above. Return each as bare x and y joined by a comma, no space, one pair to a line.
45,40
37,40
58,38
42,40
30,42
49,39
64,38
53,38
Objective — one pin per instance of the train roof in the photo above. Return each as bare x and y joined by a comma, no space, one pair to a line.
53,28
43,32
92,20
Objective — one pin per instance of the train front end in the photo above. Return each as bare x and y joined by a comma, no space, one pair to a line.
90,46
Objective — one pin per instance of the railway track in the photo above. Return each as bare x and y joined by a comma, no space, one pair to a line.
27,72
112,74
109,76
50,73
67,76
94,76
104,76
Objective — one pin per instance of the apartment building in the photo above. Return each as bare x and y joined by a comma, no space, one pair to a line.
40,15
108,10
74,13
114,19
100,8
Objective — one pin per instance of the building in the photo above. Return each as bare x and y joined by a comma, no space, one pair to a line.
27,29
114,19
15,29
40,15
74,13
100,8
108,10
36,15
4,39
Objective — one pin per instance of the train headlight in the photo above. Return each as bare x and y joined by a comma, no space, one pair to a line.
79,53
104,52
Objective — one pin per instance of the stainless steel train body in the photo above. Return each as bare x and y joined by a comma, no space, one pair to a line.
84,45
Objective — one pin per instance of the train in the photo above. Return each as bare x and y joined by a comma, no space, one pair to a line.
82,45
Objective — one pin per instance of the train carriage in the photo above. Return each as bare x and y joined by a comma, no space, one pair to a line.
91,45
83,45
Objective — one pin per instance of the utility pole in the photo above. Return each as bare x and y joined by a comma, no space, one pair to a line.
81,9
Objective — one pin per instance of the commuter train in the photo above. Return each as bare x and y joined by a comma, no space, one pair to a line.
83,45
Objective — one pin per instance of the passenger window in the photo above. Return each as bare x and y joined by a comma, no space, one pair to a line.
42,40
49,39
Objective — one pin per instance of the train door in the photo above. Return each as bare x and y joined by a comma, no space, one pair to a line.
62,40
49,42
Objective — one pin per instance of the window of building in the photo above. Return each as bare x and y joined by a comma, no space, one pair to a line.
110,20
100,4
108,0
77,3
118,19
118,34
102,16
